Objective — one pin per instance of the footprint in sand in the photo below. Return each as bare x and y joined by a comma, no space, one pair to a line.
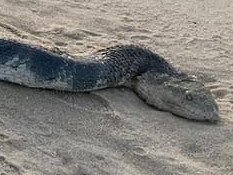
60,43
79,34
231,89
14,30
127,19
139,151
79,43
140,37
7,168
3,137
231,101
14,143
81,171
22,3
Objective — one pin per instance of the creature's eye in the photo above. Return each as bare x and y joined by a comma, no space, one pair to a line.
189,97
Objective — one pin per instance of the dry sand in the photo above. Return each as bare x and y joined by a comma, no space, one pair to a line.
112,131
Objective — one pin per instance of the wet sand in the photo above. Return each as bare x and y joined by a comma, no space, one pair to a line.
112,131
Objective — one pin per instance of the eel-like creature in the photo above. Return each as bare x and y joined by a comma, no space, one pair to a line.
150,76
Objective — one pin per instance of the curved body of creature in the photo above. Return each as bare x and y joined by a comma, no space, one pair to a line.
148,74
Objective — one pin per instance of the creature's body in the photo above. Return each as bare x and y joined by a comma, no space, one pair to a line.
148,74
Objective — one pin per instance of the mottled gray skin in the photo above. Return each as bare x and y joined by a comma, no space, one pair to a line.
181,95
148,74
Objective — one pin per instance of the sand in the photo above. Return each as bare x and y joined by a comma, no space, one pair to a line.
113,132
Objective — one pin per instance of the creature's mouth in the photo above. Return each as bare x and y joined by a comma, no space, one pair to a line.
179,111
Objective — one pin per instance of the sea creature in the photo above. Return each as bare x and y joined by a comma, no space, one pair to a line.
151,77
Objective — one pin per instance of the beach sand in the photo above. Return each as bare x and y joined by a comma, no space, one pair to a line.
112,131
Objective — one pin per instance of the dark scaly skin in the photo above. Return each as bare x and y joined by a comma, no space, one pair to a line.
113,67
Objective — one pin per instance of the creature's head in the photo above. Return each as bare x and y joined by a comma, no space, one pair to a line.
185,97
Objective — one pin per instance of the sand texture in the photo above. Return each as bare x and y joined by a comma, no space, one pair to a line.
113,132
